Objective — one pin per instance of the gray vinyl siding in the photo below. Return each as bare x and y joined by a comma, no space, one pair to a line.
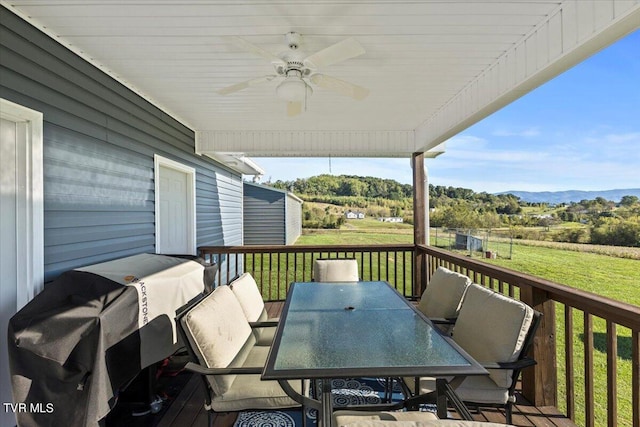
271,216
99,144
293,219
264,211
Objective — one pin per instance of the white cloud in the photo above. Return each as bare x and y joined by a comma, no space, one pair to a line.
591,159
571,162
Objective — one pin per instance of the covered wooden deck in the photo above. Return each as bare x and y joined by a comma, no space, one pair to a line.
565,376
188,409
573,377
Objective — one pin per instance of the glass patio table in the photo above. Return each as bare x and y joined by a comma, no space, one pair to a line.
356,329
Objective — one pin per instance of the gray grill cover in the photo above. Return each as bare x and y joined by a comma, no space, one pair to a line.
77,342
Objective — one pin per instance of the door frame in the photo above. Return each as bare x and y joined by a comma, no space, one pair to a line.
160,162
30,210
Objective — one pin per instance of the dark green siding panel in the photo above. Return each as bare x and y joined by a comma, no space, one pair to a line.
264,213
100,139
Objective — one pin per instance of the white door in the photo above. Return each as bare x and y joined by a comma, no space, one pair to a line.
21,229
175,219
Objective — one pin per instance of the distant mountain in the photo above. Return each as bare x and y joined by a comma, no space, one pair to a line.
555,197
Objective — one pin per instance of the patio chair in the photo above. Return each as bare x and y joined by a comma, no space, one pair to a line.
443,296
400,419
497,331
246,291
335,270
223,351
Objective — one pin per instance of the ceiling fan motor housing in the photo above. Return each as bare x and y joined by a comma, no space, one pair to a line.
293,40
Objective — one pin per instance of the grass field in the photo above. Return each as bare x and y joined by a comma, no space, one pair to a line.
616,278
606,275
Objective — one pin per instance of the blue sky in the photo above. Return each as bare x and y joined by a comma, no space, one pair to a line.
580,131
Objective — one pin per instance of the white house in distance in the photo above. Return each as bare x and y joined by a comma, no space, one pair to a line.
390,219
354,215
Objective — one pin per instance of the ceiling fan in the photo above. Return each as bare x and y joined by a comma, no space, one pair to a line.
296,71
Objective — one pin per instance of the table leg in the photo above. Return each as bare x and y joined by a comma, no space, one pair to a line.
446,392
441,398
327,404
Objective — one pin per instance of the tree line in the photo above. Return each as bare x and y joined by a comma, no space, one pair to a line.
602,221
365,187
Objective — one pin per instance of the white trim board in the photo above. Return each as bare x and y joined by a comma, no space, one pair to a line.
30,222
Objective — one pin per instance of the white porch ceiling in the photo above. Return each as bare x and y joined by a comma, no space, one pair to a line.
433,67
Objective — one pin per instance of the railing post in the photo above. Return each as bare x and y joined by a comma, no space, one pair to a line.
539,383
420,226
635,376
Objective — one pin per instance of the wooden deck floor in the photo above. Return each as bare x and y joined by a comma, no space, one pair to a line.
188,409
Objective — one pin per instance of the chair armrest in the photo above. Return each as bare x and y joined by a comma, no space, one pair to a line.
518,364
203,370
264,324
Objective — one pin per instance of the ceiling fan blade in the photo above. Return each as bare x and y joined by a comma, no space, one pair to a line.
346,49
250,47
294,108
340,86
243,85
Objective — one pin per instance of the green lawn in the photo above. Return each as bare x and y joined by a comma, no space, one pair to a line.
616,278
344,237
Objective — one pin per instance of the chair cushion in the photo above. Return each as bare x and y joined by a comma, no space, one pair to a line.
249,391
492,328
443,295
426,423
219,333
343,418
246,290
400,419
335,270
478,389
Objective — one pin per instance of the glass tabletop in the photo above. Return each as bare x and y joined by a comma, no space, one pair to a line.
331,330
339,295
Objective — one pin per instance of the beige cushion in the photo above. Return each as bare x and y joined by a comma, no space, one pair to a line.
492,328
479,389
335,270
443,296
400,419
220,334
249,391
343,418
246,290
427,423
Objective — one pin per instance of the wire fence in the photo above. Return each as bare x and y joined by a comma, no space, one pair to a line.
476,243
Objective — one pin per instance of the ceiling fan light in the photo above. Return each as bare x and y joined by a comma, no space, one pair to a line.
293,89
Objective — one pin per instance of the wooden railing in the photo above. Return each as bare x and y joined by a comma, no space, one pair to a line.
581,318
575,323
276,267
